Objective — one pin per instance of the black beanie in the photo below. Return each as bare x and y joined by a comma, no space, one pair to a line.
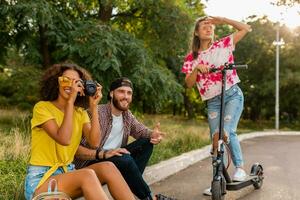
123,81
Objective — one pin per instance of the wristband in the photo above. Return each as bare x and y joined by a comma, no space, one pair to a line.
104,154
97,154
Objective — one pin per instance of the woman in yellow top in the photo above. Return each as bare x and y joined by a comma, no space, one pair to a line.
57,125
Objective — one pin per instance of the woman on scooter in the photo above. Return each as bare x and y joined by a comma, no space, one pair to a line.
206,54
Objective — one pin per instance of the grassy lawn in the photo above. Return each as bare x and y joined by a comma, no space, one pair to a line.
182,135
14,152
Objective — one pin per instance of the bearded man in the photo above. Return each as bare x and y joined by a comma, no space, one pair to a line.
117,123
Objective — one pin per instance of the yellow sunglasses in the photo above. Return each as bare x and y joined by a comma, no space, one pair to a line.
64,81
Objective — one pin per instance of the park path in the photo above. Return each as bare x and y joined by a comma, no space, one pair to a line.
279,155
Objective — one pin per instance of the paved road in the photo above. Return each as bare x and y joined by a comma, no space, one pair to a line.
279,155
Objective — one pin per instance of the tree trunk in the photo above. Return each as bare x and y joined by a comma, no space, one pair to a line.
174,109
105,10
255,113
44,47
188,106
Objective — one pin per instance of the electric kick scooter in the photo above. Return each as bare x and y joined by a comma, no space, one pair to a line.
221,179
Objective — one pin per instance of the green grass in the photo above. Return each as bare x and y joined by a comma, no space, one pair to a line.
14,152
13,118
263,125
182,135
12,174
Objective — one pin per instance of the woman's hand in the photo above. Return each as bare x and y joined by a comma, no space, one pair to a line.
242,28
216,20
94,100
204,69
76,88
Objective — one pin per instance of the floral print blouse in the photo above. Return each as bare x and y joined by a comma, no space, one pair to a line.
220,52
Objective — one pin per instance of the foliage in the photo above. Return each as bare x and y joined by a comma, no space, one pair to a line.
290,79
27,24
258,82
146,41
19,86
47,32
287,2
163,26
109,53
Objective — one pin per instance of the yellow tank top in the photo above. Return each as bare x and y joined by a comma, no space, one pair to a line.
45,151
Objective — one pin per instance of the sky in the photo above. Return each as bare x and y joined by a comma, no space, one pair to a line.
241,9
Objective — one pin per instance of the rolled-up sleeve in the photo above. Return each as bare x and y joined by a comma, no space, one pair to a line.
137,129
187,66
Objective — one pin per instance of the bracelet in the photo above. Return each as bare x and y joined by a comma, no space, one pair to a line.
97,154
104,154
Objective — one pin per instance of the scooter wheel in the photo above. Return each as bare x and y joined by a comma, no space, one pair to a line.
216,190
258,171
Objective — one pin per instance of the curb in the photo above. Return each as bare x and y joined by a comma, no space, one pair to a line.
163,169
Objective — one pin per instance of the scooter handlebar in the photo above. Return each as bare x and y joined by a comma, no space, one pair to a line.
229,66
235,66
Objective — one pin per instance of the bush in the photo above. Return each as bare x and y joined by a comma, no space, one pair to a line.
19,86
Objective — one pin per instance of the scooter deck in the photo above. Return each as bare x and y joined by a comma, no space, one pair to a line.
238,185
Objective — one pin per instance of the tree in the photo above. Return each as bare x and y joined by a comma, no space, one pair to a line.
32,26
94,34
110,53
287,2
258,82
290,79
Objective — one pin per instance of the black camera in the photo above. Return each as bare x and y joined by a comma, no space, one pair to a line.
90,87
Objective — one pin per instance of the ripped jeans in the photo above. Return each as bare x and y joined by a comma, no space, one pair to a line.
234,103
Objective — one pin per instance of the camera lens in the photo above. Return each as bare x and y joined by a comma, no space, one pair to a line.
90,88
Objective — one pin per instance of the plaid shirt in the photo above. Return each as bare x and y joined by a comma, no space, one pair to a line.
132,127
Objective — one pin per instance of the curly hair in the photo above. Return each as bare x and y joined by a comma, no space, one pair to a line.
49,84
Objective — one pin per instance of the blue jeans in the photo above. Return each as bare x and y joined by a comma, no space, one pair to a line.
35,174
234,103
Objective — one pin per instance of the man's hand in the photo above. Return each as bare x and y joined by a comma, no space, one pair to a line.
116,152
156,135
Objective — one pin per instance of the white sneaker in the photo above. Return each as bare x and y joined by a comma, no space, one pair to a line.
239,175
207,191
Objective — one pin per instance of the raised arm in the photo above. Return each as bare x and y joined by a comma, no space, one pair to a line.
242,28
62,134
92,131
